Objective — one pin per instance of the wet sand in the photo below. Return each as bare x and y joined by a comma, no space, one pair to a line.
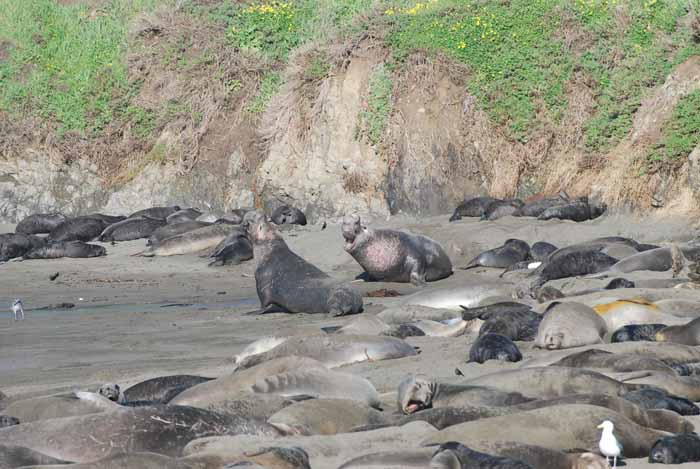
138,317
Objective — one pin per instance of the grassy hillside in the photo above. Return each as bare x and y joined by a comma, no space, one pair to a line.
64,63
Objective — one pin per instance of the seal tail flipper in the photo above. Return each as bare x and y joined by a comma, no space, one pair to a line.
631,375
331,329
468,315
472,263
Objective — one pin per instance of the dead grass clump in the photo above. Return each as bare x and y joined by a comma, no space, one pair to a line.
354,182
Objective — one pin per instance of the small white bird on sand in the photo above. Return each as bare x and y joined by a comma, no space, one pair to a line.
609,446
18,309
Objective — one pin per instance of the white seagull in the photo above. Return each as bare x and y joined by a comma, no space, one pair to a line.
18,309
609,446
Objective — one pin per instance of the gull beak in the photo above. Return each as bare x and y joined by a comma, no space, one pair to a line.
600,426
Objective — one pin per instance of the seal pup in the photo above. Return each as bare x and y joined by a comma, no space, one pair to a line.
286,215
636,332
494,347
623,362
563,427
654,398
14,245
190,242
473,207
577,210
131,229
8,421
569,324
513,320
184,215
233,249
78,229
285,280
417,392
72,249
676,449
686,334
395,256
501,208
453,455
512,251
39,223
535,208
155,212
161,390
167,231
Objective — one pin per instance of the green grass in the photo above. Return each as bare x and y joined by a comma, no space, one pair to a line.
374,117
681,134
65,65
269,85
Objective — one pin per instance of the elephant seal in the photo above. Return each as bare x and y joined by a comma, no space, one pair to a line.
285,280
14,245
184,215
541,250
563,427
470,294
686,334
78,229
395,256
334,350
552,381
622,362
155,212
676,449
512,251
233,249
501,208
327,416
73,249
569,324
619,283
453,455
654,398
138,460
404,314
286,215
59,406
474,207
164,430
163,389
417,392
39,223
564,264
190,242
265,457
494,347
8,421
168,231
535,208
513,320
577,210
669,381
657,260
12,456
131,229
397,459
636,332
541,457
679,308
619,313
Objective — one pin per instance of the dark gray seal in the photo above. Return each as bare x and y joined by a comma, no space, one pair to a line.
494,347
187,214
285,280
453,455
14,245
74,249
286,215
130,229
501,208
395,256
619,283
233,250
78,229
473,207
12,456
162,389
541,250
156,212
655,398
39,223
168,231
106,219
569,264
516,326
8,421
676,449
512,251
535,209
578,210
636,332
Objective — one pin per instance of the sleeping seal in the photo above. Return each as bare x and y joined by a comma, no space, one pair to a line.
131,229
8,421
162,389
190,242
473,207
14,245
654,398
676,449
185,215
501,208
619,313
395,256
78,229
233,249
578,210
286,215
687,334
156,212
453,455
512,251
12,456
327,416
635,332
567,325
168,231
494,347
285,280
39,223
535,208
74,249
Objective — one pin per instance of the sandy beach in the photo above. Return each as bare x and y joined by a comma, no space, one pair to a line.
137,317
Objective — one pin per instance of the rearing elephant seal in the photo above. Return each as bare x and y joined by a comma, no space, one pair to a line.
395,256
284,279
